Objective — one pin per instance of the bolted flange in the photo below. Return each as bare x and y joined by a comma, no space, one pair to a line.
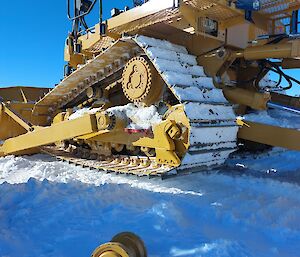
106,121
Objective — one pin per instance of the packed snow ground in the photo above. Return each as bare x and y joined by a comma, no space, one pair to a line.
250,208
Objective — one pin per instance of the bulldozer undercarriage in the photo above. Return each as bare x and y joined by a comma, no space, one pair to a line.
197,127
137,104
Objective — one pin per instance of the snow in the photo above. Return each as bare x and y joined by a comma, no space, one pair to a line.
81,112
203,111
275,118
156,52
229,212
212,135
162,44
138,117
16,170
267,83
197,94
166,65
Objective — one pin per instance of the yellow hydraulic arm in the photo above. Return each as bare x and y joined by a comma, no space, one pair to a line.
47,135
270,135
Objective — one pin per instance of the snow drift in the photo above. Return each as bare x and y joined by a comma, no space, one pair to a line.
49,208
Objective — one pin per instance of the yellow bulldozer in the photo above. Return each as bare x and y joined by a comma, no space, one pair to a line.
162,88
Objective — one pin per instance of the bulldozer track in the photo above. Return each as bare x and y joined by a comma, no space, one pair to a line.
120,164
213,131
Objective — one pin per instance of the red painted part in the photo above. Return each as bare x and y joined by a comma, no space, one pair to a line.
136,131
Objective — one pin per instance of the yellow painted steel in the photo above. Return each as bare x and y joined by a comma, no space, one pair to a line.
163,141
164,134
49,135
122,245
290,49
16,105
255,100
23,123
22,94
270,135
140,81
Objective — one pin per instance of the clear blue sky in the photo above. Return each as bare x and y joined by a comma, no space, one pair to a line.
32,40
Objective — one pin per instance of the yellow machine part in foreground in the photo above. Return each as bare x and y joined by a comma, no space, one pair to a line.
122,245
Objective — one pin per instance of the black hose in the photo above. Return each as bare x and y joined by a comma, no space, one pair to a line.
275,68
284,74
83,22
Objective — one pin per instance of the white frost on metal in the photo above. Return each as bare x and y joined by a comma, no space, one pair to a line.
266,82
163,44
212,135
212,158
198,94
156,52
179,79
202,111
183,68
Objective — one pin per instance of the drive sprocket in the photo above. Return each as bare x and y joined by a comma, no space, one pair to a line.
141,82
